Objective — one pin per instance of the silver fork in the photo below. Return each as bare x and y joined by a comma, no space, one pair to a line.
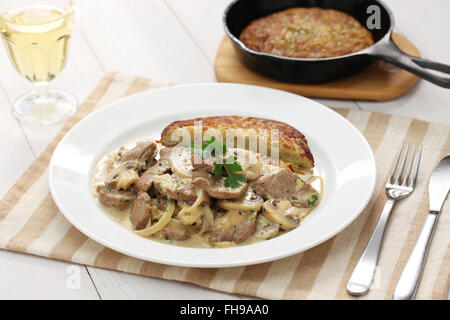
396,189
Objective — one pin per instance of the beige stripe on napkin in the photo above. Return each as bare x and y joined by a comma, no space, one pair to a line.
30,222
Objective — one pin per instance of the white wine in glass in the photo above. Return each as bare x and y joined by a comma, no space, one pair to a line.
37,39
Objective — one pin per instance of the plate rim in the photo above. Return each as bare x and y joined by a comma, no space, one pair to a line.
130,253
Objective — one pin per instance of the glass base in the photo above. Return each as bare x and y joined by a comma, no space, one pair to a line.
36,108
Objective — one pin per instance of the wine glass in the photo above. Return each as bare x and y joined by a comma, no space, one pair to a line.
37,39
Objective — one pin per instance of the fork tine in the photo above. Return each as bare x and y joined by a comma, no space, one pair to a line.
391,177
408,171
402,166
416,168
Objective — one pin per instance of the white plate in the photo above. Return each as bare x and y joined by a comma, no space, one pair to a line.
342,155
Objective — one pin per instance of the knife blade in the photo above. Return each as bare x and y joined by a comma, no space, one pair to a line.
439,184
438,189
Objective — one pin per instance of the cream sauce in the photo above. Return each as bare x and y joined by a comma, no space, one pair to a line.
122,216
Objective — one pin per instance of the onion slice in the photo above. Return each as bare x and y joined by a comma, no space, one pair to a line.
165,219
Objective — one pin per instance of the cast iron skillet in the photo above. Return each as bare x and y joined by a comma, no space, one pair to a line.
241,12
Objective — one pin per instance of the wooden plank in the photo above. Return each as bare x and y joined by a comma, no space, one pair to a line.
13,140
119,285
203,20
25,276
143,38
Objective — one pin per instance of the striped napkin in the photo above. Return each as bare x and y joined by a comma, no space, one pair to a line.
30,222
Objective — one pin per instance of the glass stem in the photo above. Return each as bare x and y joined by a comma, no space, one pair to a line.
43,92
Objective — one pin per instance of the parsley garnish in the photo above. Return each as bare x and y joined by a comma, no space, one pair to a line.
234,180
313,200
231,166
218,170
209,147
294,198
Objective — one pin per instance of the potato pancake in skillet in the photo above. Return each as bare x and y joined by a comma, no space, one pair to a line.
307,33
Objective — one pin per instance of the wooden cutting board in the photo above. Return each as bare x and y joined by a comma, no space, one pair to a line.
379,82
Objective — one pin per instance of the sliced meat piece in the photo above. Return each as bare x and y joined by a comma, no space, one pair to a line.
141,211
124,175
114,198
218,211
161,167
307,197
175,187
164,153
161,202
201,173
173,231
276,183
144,150
146,180
233,226
223,227
206,164
245,228
216,188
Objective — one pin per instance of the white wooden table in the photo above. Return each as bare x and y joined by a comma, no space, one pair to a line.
174,40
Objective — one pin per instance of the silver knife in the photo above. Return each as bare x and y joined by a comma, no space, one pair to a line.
438,189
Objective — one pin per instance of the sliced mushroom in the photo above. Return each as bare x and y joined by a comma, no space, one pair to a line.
277,211
265,228
180,161
297,213
123,176
249,202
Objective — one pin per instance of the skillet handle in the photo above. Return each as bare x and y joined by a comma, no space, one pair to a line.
389,52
